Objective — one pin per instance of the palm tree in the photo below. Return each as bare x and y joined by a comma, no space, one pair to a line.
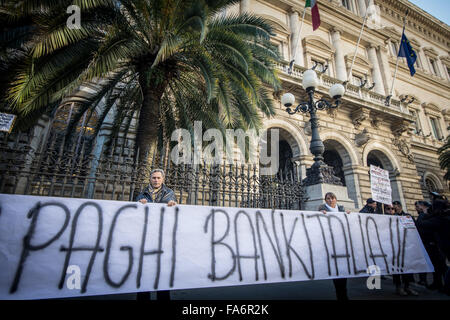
168,62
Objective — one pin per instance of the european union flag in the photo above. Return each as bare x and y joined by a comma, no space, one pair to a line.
407,51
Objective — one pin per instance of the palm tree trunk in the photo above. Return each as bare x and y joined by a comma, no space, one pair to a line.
149,122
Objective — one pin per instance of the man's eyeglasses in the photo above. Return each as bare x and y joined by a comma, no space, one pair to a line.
388,209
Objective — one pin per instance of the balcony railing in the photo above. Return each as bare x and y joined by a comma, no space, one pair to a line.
353,91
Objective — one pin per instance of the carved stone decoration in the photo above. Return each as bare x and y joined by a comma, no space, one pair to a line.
358,116
395,172
277,95
374,121
403,147
332,112
362,138
399,127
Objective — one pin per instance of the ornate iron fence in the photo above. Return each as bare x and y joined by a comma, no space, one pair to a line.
51,170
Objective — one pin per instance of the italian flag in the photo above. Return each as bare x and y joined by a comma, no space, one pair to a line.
314,13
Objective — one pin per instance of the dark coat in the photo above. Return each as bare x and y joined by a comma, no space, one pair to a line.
436,227
163,196
367,209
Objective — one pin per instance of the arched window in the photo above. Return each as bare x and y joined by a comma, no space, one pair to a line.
65,114
430,185
81,140
373,160
332,158
285,158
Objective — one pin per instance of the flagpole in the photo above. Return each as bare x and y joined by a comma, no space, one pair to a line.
388,98
349,74
291,67
395,75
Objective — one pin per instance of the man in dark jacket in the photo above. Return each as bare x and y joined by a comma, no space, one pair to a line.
156,192
436,225
370,207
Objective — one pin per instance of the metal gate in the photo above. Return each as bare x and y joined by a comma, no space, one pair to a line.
49,169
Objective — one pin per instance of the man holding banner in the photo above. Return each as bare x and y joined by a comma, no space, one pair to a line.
330,205
406,279
156,192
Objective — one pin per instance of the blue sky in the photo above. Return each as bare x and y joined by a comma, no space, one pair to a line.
437,8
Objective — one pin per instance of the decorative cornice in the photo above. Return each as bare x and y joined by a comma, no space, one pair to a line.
419,20
430,51
294,10
445,59
337,29
359,60
430,107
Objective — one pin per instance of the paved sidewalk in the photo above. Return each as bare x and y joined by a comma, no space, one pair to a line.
304,290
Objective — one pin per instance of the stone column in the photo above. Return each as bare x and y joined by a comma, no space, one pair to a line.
425,62
440,66
444,65
306,161
245,6
385,68
372,52
341,72
353,187
362,7
295,25
426,125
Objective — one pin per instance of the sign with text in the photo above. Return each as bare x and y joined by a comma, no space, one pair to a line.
64,247
6,121
380,185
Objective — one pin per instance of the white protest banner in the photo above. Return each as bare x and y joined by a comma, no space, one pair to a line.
380,185
64,247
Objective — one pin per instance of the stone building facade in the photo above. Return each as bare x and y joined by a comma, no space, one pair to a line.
402,136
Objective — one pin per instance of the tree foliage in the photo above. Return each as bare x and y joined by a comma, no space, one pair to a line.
168,62
444,158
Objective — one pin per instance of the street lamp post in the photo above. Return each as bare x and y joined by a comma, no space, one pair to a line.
319,171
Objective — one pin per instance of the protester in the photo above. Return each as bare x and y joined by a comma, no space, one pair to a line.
389,209
156,192
331,205
370,207
436,226
422,208
404,279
